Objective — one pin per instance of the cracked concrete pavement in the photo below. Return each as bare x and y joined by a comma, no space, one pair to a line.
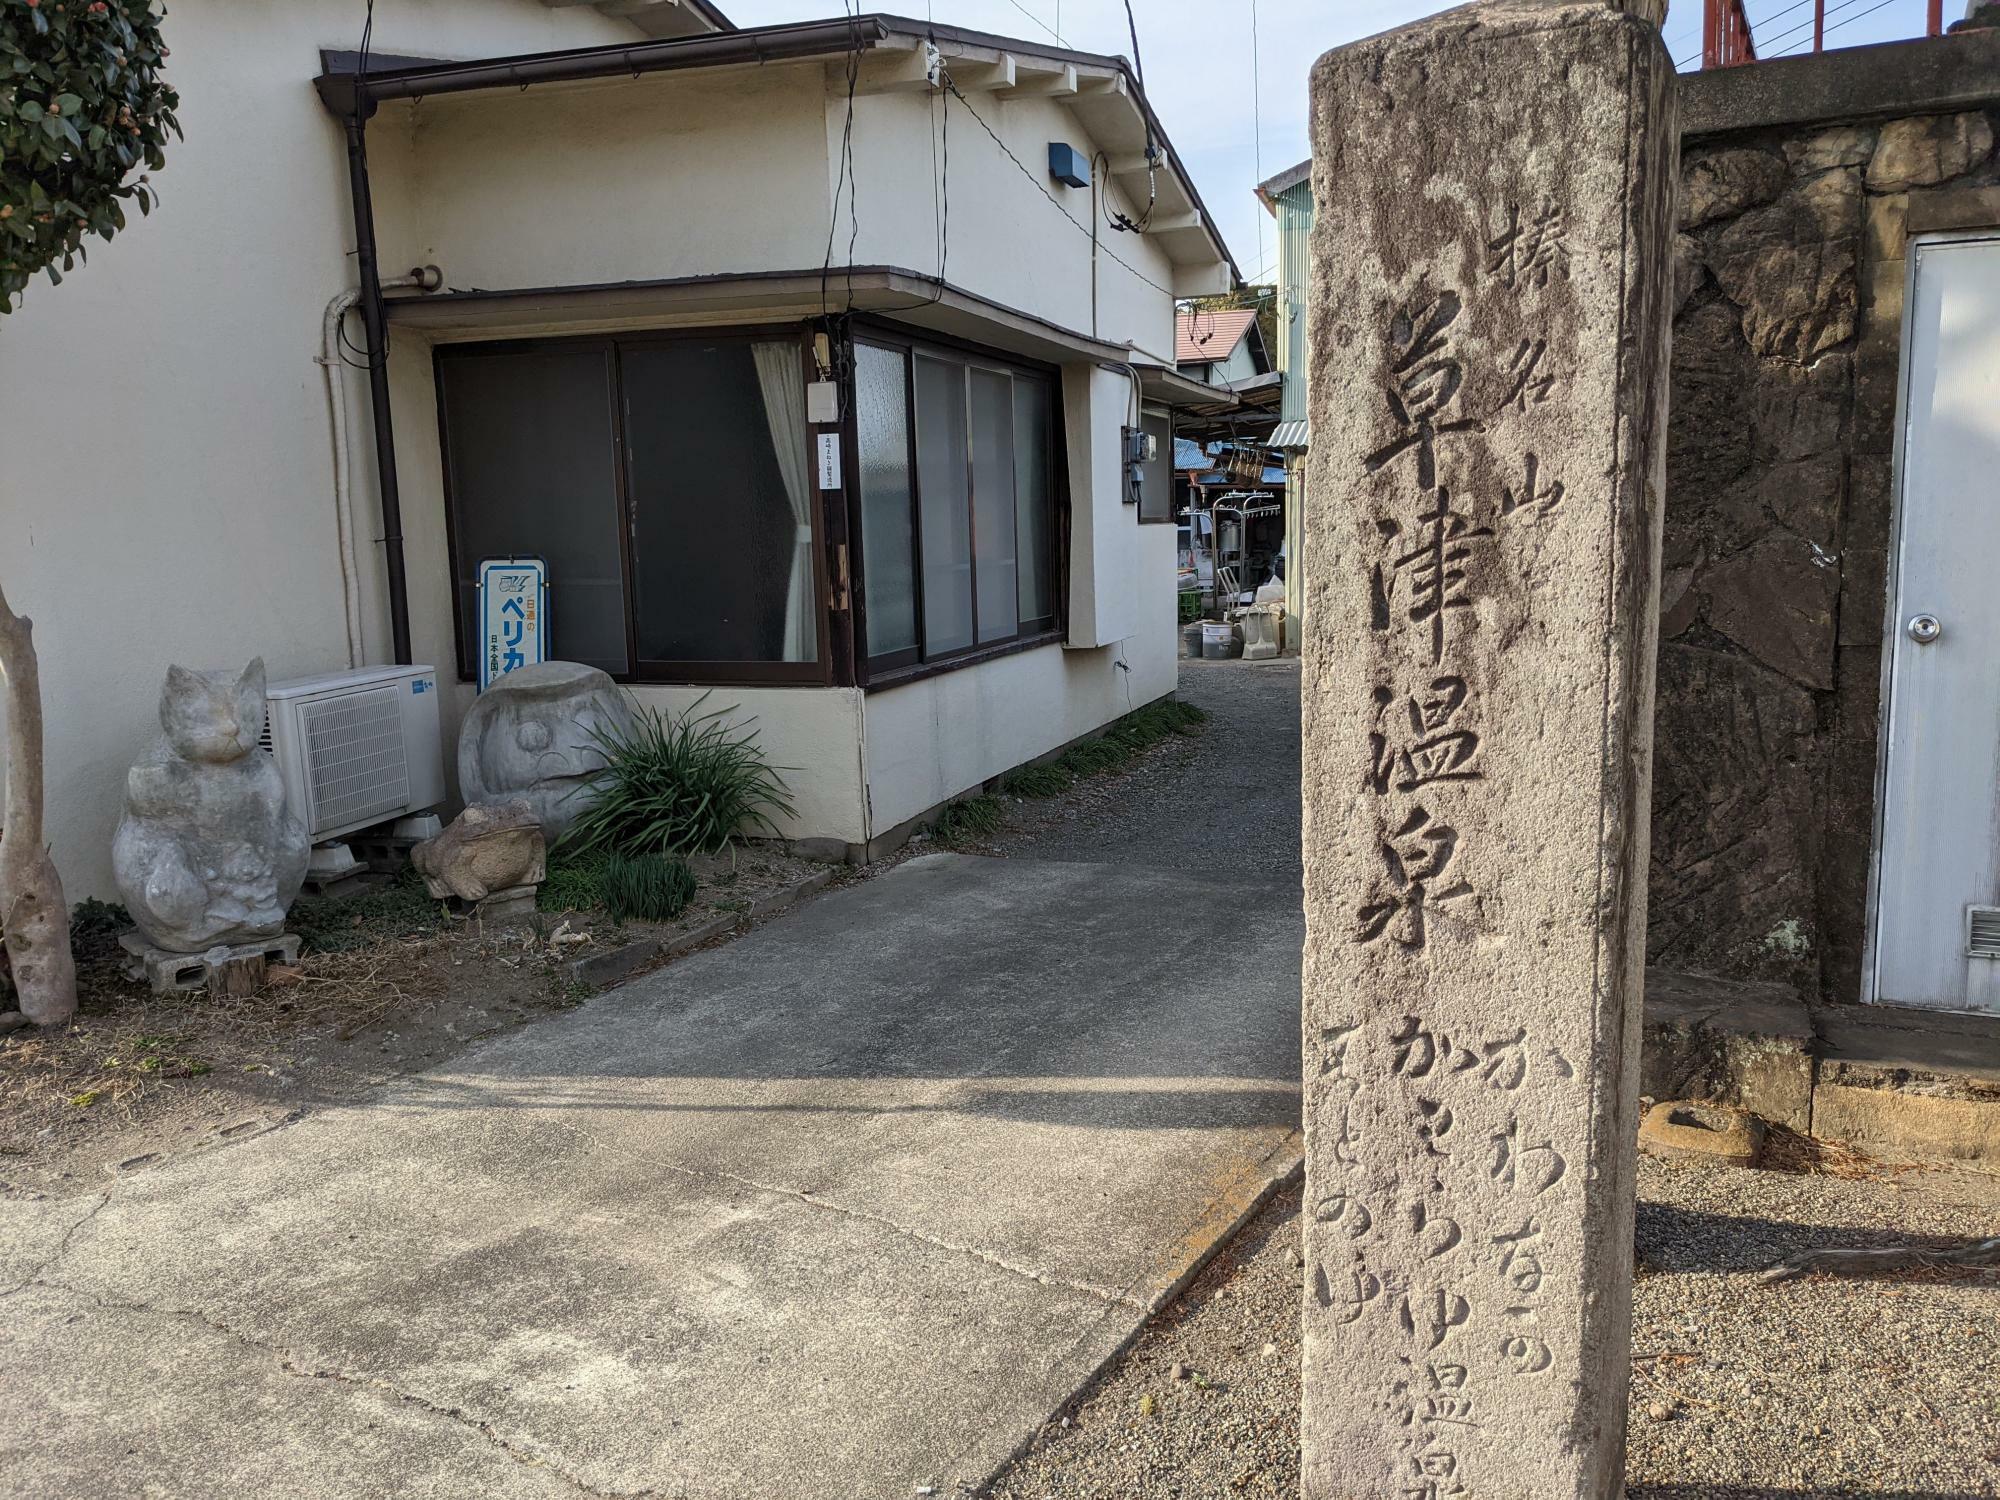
844,1208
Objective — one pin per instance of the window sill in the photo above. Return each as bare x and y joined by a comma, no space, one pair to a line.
901,676
717,675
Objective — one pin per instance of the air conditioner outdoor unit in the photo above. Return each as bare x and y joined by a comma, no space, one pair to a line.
356,748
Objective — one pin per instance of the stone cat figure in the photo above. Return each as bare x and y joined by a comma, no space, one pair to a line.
207,852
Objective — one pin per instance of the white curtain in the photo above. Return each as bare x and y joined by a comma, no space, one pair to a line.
781,373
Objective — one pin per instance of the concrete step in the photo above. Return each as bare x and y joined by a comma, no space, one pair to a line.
1746,1044
1913,1083
1910,1084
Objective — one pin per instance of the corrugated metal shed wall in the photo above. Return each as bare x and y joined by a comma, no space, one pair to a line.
1295,220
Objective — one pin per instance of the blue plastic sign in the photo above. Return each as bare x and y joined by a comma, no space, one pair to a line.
513,616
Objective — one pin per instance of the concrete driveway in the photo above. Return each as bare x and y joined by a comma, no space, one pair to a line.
844,1208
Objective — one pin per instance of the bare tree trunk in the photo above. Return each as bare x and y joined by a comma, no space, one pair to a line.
34,917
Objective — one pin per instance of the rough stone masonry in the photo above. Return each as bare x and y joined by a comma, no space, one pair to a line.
1488,341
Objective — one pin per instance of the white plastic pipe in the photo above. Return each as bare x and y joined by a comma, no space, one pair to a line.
428,278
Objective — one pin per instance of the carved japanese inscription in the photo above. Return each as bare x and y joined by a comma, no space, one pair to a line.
1481,554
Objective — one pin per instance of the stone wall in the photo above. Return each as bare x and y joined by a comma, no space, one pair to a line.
1790,287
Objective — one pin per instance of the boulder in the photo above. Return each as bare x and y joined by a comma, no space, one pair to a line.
1777,601
491,846
535,734
1721,184
1687,269
1928,149
1791,267
1797,301
1842,146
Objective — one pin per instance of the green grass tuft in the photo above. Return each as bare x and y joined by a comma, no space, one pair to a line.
970,818
575,882
686,783
647,887
1110,751
1037,781
1094,757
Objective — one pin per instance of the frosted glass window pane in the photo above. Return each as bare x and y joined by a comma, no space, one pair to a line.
888,542
993,502
1033,502
946,511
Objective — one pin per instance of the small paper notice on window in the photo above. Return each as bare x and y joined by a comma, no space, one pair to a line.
829,460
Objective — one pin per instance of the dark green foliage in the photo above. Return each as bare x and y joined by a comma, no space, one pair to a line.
1094,757
94,927
683,783
394,909
1037,781
647,887
971,818
1109,751
92,918
1154,722
573,883
82,106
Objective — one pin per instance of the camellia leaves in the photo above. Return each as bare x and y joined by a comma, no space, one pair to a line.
82,103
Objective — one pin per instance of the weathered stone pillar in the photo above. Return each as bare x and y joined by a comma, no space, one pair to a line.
1488,347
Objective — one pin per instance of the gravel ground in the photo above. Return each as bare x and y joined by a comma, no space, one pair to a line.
1226,798
1881,1386
1886,1387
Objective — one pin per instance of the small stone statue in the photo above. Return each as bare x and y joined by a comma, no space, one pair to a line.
533,734
207,853
492,846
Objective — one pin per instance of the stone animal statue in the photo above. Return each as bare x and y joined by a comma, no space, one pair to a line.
492,846
533,734
208,853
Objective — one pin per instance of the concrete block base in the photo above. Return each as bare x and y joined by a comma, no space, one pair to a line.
169,972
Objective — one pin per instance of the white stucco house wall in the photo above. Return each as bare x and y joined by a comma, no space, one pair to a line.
653,231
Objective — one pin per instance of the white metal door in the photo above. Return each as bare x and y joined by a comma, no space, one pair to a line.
1936,939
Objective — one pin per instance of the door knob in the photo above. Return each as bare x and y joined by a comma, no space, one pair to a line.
1924,629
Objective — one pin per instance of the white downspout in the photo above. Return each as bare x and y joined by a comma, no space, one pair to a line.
426,278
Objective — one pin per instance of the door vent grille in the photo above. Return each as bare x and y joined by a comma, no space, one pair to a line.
1982,931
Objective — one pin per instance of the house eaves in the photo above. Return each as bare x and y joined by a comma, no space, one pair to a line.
1103,92
1269,190
910,297
657,17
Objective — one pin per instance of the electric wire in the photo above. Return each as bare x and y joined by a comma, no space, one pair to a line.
1835,26
1145,219
1051,30
940,179
1805,26
1753,24
364,359
844,175
1022,168
1256,119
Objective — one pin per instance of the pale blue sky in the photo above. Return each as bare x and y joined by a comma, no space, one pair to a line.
1198,60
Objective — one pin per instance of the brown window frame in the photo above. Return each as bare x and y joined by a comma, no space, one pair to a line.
819,672
914,663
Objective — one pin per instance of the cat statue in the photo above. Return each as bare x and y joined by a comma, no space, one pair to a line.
208,854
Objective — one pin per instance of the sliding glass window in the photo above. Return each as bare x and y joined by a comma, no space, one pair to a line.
668,483
957,467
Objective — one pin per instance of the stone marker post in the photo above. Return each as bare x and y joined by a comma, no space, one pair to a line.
1488,348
